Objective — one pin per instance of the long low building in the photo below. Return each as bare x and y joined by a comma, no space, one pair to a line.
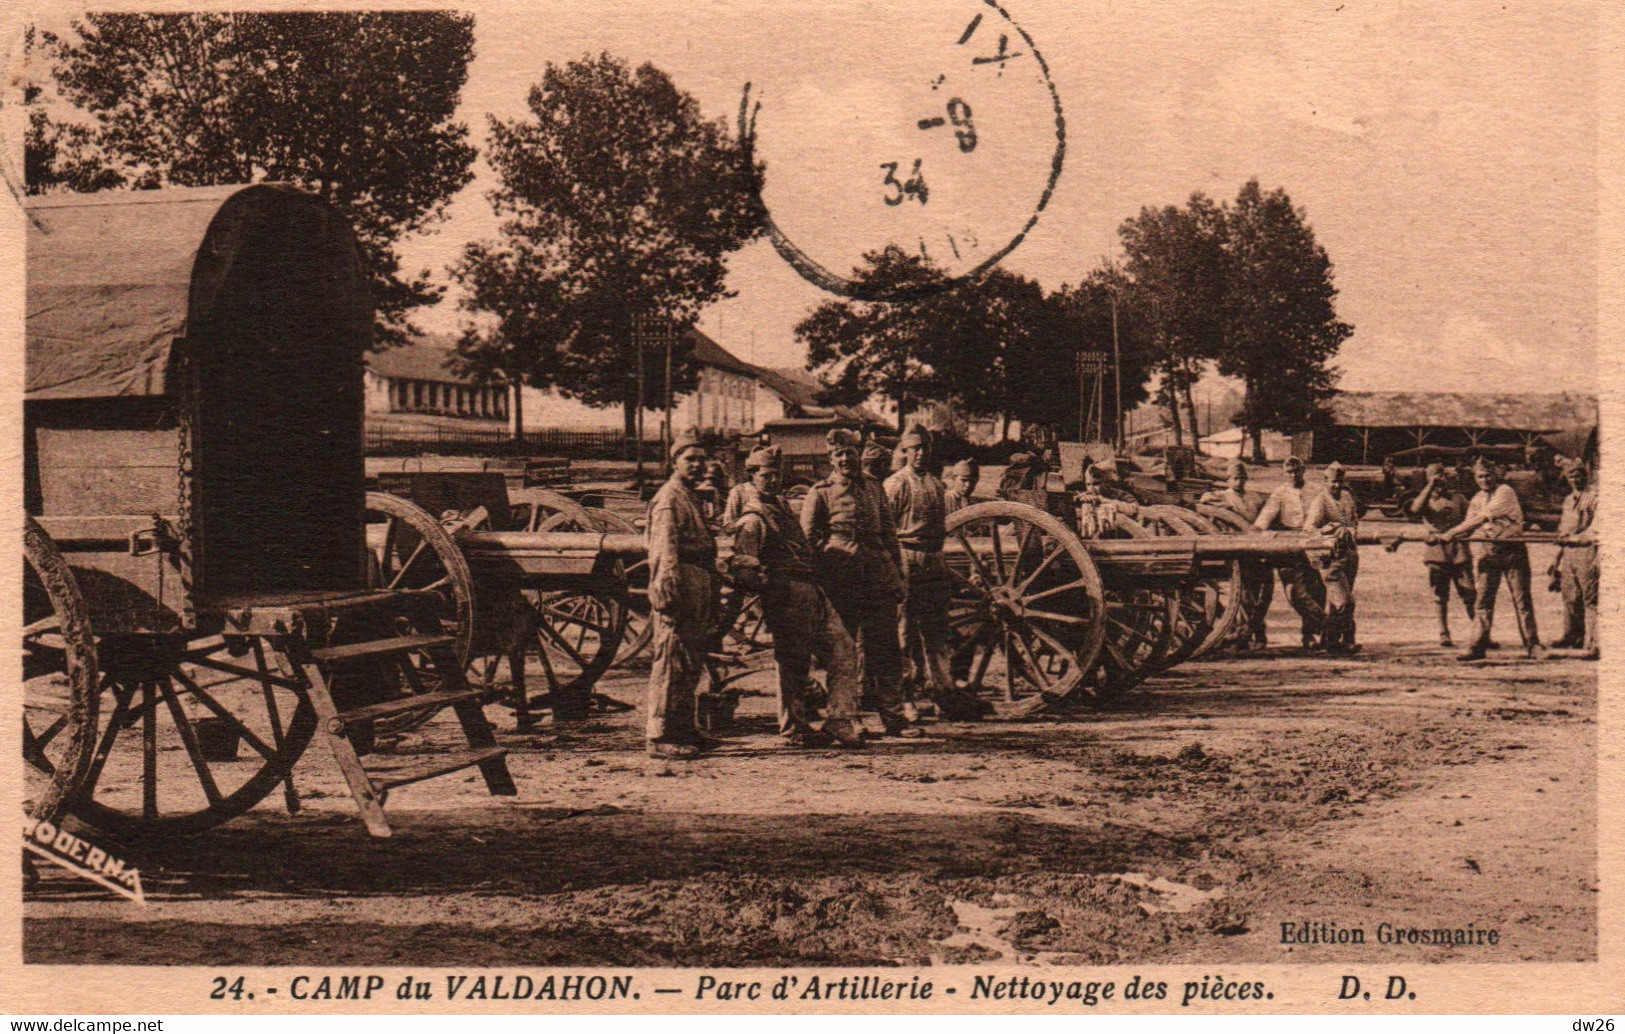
1365,426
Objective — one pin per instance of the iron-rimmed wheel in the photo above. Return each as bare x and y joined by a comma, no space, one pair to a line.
1226,521
411,551
189,736
1027,605
60,691
1139,627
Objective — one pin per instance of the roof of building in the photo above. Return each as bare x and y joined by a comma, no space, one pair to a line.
801,388
707,352
1527,412
423,358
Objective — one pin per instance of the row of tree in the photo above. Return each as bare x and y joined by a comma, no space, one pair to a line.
1242,288
620,200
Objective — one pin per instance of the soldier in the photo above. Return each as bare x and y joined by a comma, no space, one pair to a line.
960,481
1494,513
1257,579
1576,565
919,508
771,556
742,494
1442,506
683,598
848,525
878,461
1335,513
1285,509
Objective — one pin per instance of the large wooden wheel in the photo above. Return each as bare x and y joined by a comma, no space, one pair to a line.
410,551
637,630
1139,627
1229,598
1026,619
189,735
60,693
1228,522
1194,608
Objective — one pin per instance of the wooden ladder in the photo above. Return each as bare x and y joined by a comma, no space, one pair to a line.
370,786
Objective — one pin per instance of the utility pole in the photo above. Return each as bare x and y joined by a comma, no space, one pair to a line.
637,336
666,436
1117,375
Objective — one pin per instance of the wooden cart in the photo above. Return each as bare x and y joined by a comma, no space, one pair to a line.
207,584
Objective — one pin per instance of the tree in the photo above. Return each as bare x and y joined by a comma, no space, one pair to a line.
1175,268
1281,325
1041,363
619,200
357,107
893,348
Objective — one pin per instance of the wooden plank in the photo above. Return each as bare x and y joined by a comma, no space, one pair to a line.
85,471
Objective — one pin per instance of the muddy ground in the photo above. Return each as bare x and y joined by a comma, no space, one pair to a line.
1186,823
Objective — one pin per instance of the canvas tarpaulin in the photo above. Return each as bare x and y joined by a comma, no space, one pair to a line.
108,281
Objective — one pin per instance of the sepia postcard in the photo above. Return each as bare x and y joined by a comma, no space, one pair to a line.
895,507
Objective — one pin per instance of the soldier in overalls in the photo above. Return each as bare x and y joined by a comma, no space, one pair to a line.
849,526
1576,564
1285,510
1497,513
1335,513
1257,577
771,557
683,600
918,504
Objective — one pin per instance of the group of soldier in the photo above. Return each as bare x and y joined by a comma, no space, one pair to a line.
856,580
1472,548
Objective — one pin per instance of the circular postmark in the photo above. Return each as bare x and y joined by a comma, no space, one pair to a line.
934,128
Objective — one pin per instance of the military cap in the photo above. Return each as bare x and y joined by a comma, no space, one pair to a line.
874,452
765,457
1237,466
685,440
1488,464
1334,469
1293,463
841,439
1020,459
915,435
967,467
1104,471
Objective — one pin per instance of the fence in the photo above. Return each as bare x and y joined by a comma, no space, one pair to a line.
447,441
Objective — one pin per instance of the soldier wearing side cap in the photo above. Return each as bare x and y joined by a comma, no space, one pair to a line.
848,524
878,461
771,557
1497,513
1575,569
1336,514
919,508
1257,578
683,600
960,481
1449,564
1285,509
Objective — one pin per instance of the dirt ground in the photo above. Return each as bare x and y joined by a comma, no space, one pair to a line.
1186,822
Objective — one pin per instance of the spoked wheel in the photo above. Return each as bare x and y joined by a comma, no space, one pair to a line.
410,551
189,735
60,692
1223,586
750,630
1194,609
539,505
1139,626
574,635
1026,614
638,632
1226,521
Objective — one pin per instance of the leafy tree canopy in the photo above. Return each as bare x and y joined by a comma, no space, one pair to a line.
357,107
619,200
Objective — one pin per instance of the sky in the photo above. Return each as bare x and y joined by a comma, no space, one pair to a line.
1445,154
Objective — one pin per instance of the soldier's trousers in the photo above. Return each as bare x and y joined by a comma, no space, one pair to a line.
923,626
871,622
1305,592
1577,567
803,625
1512,564
1257,592
1337,575
1441,577
682,635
